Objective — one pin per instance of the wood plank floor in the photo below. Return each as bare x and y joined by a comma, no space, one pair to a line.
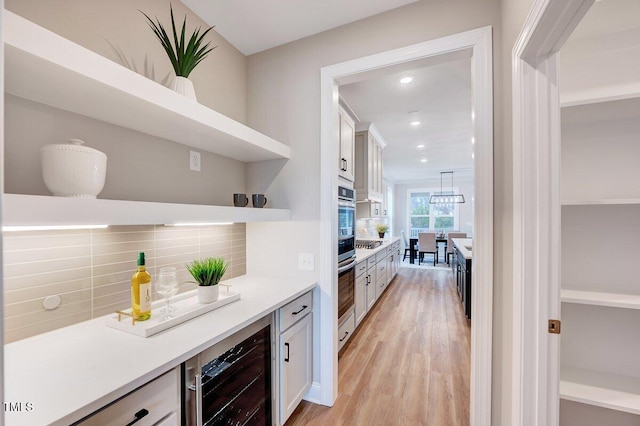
407,364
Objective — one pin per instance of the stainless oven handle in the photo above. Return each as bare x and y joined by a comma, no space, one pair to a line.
346,267
198,380
344,203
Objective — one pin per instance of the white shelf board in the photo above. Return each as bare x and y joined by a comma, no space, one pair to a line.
620,393
599,95
44,67
38,210
599,298
597,202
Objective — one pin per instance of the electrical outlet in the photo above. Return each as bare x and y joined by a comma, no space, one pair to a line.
194,161
306,261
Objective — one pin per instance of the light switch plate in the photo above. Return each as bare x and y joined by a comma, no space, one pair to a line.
306,262
194,161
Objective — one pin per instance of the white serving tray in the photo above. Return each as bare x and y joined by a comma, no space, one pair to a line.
187,307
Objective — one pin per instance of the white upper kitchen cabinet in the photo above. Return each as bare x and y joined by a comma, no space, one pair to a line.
347,146
600,218
368,158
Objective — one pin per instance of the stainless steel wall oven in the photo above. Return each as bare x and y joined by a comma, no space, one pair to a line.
346,223
346,251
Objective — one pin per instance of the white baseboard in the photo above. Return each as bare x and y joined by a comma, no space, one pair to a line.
313,394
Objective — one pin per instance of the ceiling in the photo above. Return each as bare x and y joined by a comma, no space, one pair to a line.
441,95
243,23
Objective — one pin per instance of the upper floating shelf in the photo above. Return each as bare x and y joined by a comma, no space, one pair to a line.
40,210
44,67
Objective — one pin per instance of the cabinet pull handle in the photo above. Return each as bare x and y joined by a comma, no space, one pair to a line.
286,358
346,333
139,415
297,312
198,380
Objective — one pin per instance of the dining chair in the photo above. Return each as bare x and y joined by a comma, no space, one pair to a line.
451,235
427,245
407,247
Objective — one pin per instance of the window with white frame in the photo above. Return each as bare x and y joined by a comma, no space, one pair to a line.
423,217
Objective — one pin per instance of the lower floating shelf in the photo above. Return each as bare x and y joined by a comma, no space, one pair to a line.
186,308
620,393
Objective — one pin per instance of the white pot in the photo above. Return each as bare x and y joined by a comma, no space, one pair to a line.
184,86
73,170
207,293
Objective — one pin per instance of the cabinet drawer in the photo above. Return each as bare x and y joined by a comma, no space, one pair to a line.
346,330
361,268
294,311
371,262
381,256
160,398
389,250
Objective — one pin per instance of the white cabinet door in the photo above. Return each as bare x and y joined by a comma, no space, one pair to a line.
295,365
371,288
361,296
346,164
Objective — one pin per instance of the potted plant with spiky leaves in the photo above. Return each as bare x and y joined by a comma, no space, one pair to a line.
184,55
381,228
207,273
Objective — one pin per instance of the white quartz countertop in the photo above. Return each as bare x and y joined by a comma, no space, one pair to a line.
69,373
462,244
362,254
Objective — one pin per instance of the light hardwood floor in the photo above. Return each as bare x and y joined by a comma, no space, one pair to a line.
407,364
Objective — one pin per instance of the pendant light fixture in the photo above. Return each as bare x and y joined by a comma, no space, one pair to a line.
449,197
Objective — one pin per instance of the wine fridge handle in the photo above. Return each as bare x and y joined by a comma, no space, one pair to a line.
198,382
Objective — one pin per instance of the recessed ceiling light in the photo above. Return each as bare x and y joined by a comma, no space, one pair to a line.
473,141
424,160
406,80
415,122
420,146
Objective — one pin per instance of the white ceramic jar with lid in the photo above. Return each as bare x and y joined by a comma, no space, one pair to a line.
73,170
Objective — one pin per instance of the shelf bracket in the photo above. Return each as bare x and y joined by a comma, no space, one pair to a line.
554,326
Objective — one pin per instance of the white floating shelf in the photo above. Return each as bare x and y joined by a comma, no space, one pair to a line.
601,202
620,393
44,67
37,210
597,298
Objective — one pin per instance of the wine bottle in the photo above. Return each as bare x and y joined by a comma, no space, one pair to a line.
141,291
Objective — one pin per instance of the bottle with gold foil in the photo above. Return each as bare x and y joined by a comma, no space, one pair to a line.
141,291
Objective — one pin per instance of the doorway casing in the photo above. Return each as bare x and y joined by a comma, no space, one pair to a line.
479,41
536,206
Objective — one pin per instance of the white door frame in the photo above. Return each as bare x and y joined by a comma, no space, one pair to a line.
536,206
480,41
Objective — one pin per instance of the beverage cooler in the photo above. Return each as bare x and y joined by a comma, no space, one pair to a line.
231,383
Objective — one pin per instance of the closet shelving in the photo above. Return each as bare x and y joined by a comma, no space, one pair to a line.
600,202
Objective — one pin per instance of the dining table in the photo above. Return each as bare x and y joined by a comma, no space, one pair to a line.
413,245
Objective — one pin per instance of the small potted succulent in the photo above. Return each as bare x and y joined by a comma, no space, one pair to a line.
184,54
381,228
207,273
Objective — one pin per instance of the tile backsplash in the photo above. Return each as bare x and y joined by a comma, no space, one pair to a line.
90,270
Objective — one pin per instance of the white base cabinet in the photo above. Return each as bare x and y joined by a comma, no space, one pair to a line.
295,353
156,403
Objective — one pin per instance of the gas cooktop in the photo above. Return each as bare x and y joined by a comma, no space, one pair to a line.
368,244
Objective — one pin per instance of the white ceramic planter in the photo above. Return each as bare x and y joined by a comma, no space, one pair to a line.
184,86
73,170
207,294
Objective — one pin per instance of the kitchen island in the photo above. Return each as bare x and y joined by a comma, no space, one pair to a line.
462,263
64,375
